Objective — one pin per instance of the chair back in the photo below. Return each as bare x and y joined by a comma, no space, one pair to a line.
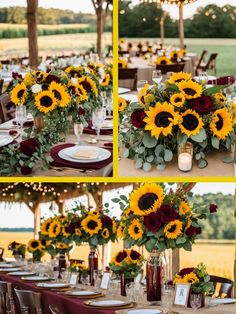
175,67
7,303
1,85
29,301
223,286
123,52
7,108
202,57
129,74
211,63
54,309
1,253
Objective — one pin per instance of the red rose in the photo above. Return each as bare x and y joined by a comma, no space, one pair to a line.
191,231
81,111
25,170
17,76
106,221
213,208
52,78
202,104
186,271
137,118
152,222
28,147
167,213
134,255
121,256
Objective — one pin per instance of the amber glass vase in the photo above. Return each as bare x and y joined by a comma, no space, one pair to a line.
93,264
153,269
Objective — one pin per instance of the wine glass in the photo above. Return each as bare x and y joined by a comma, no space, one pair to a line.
21,115
203,78
195,301
157,77
78,130
97,120
141,84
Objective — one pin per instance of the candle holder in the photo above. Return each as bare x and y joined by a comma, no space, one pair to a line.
185,157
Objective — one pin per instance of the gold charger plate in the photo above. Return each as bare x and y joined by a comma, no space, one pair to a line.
114,307
91,296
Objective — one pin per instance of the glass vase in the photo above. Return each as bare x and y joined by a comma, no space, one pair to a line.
93,264
153,270
123,282
61,264
39,123
202,299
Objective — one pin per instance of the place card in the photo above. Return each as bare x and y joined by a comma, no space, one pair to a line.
105,280
74,279
182,294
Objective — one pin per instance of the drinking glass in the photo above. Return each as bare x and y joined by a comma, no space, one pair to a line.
97,120
85,279
130,292
78,130
157,76
195,301
203,78
97,280
21,115
113,287
167,299
141,84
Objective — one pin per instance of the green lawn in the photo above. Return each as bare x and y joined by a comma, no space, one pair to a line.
226,49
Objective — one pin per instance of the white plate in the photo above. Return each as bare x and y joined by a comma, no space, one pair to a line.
144,311
9,269
108,303
35,278
5,265
130,97
222,301
66,154
5,140
53,285
21,273
122,90
82,293
209,78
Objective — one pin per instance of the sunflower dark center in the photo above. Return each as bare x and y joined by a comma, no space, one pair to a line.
219,123
179,80
172,228
178,99
136,229
86,86
20,93
46,101
92,224
147,200
163,62
189,91
190,122
47,226
34,244
162,119
142,99
57,94
54,229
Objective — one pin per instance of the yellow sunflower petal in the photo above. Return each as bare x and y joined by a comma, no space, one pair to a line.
45,101
190,89
191,123
222,123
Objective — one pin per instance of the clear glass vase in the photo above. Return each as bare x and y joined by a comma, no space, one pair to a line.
93,264
154,277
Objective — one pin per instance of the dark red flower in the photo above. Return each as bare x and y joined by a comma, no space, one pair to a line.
202,104
134,255
121,256
213,208
25,170
191,231
72,89
52,78
72,226
81,111
167,213
152,222
186,271
137,118
28,147
106,221
17,76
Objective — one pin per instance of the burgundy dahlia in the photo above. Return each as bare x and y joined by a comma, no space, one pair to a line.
28,147
202,104
52,78
81,111
137,118
167,213
152,222
106,221
191,231
121,256
213,208
25,170
17,76
186,271
134,255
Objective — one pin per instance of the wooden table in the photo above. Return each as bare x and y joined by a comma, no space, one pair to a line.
38,172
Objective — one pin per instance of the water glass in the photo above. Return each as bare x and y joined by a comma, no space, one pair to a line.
141,84
203,78
167,299
195,301
97,120
113,287
130,292
85,279
78,130
21,115
157,77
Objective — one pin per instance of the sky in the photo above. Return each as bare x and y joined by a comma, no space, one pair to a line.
23,217
87,7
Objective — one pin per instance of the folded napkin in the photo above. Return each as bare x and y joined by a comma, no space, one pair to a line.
223,80
27,124
89,130
58,162
86,154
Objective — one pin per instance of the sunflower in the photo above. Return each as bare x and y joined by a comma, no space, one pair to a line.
60,93
19,94
190,278
34,245
61,218
65,234
184,208
222,123
79,92
179,77
173,229
160,119
120,231
220,99
120,257
234,113
135,230
178,279
106,80
74,71
29,80
105,233
190,89
39,76
62,246
174,54
45,226
191,123
177,100
146,199
122,104
163,60
45,101
91,224
114,226
78,232
54,229
143,92
88,84
122,64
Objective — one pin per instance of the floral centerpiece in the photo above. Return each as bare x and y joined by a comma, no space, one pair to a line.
17,248
179,111
78,268
37,248
163,60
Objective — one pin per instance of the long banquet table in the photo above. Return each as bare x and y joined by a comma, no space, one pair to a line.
71,305
66,172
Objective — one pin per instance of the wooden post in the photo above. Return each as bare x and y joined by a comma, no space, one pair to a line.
99,26
162,29
181,26
36,208
32,21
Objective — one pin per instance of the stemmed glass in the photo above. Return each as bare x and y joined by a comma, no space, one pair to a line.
141,84
97,120
203,78
157,76
21,115
195,301
78,130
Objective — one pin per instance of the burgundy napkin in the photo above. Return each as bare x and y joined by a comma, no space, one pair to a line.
58,162
27,124
89,130
223,80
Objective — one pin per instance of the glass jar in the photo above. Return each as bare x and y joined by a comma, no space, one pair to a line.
185,156
93,264
154,276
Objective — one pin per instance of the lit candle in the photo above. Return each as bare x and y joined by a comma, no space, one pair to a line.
185,162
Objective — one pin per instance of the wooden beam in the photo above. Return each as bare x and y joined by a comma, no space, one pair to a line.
32,22
181,26
36,219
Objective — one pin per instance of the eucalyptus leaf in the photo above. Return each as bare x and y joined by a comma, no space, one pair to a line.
202,163
148,140
181,138
147,166
215,142
150,158
161,167
139,163
200,137
159,148
126,153
228,159
168,155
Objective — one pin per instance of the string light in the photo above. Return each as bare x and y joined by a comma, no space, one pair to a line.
178,2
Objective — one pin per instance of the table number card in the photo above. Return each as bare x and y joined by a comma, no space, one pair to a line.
105,280
181,294
74,279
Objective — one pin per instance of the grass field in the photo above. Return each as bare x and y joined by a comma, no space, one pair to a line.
218,256
226,49
42,26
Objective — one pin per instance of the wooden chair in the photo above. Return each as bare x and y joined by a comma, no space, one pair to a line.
201,61
7,303
175,67
123,52
223,286
29,301
210,65
7,108
129,74
54,309
1,86
1,253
